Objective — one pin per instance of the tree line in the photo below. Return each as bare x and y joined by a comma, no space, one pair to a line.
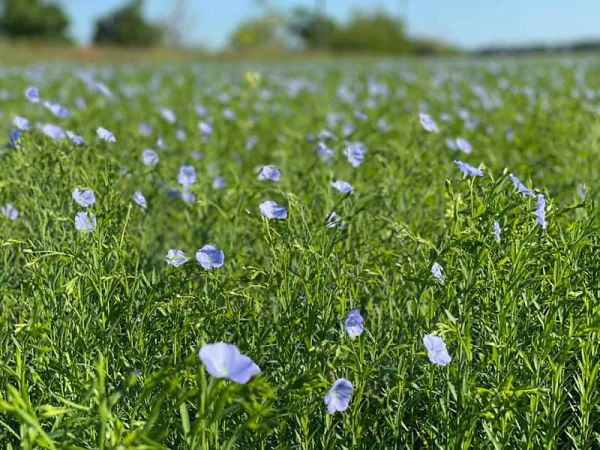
40,20
301,29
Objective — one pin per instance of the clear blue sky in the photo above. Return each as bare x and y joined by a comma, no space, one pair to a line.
468,23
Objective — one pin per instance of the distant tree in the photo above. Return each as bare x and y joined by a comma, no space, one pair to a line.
263,33
34,19
429,47
374,33
127,26
312,29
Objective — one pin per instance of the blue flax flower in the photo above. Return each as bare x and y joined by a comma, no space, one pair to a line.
355,152
468,170
74,138
354,323
342,186
139,198
463,145
106,135
186,176
338,397
9,211
85,222
270,173
497,231
436,271
428,123
540,211
21,123
223,360
176,258
53,131
33,94
436,350
149,157
521,189
210,257
84,198
272,210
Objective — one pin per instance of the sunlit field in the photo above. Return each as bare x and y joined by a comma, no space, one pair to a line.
384,255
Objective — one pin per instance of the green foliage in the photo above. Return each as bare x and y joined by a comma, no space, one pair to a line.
263,33
32,19
99,338
373,33
127,27
312,29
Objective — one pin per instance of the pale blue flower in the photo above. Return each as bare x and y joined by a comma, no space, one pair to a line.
57,109
13,139
326,135
149,157
451,144
176,258
251,142
325,153
338,397
180,135
84,198
383,125
581,191
201,110
228,115
521,189
348,129
197,155
33,94
139,198
333,118
168,115
21,123
270,173
103,89
9,211
436,350
463,145
105,135
360,116
497,231
186,176
85,222
342,186
223,360
219,183
335,221
355,152
205,128
210,257
468,170
53,131
188,197
540,211
428,123
436,271
145,129
510,135
80,103
74,138
354,323
272,210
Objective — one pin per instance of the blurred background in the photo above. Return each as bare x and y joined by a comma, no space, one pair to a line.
188,29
